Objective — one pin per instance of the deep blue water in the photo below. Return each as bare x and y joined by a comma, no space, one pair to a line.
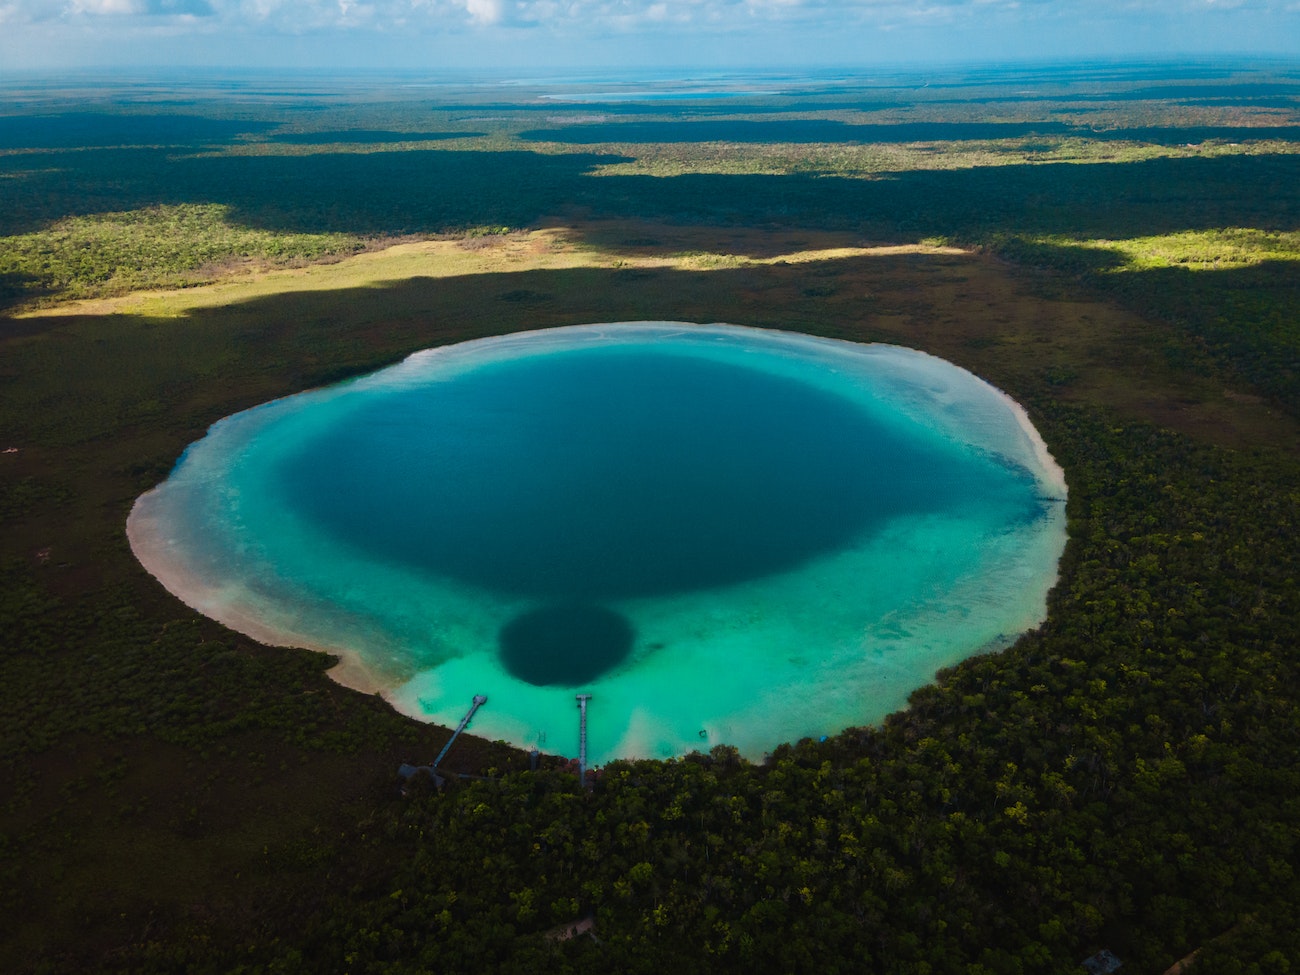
608,473
612,473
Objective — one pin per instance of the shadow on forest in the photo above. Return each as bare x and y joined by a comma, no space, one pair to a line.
379,193
428,191
791,131
1228,94
70,130
1246,315
1266,94
271,345
829,100
829,131
276,344
366,137
16,287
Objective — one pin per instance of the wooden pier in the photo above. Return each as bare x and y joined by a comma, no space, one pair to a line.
582,736
479,701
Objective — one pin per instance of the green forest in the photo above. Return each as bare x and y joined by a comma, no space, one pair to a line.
1118,248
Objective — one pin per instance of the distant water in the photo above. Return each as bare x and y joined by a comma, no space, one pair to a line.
650,95
725,535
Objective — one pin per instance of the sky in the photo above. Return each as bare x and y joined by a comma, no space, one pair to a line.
508,36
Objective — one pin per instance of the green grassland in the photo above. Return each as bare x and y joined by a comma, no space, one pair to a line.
1111,247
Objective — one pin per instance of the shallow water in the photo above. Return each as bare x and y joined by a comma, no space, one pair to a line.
722,534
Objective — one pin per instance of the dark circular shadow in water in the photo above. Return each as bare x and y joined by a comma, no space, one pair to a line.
565,644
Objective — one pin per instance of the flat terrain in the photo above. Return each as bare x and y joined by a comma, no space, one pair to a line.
1117,249
962,304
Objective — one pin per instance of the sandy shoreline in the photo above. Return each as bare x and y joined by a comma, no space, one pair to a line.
154,553
1054,473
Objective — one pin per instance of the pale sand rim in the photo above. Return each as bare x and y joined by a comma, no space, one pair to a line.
150,547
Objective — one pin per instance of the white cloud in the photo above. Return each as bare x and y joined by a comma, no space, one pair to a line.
646,32
484,12
109,8
258,10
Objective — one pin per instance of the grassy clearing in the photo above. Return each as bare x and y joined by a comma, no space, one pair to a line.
1205,250
158,246
1219,249
866,161
540,250
948,300
1234,292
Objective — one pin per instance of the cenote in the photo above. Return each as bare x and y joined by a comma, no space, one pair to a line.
723,534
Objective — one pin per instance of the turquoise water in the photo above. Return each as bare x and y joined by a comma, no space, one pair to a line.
722,534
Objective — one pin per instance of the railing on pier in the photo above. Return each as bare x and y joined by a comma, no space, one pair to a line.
479,701
582,736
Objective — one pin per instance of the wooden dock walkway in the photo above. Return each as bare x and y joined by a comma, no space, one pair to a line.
582,736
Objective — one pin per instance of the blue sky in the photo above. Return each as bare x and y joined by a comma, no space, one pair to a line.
509,36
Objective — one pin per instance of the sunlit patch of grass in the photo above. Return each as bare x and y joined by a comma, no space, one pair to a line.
1222,249
158,246
705,261
867,160
480,251
1243,318
1205,250
845,159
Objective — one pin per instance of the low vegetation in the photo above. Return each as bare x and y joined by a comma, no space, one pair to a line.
159,246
